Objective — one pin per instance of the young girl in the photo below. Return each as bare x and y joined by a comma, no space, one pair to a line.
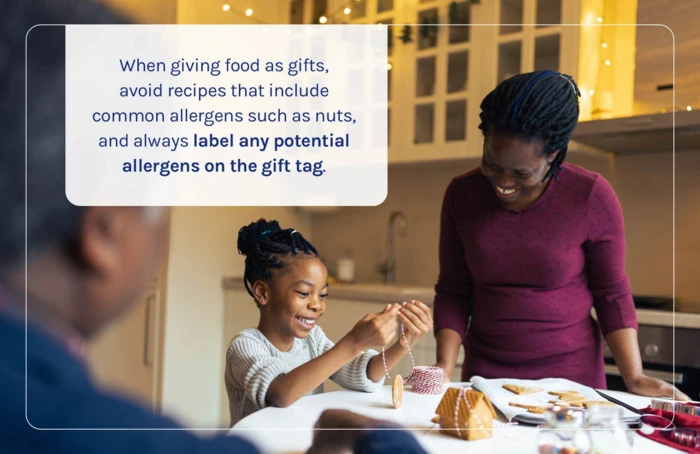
288,356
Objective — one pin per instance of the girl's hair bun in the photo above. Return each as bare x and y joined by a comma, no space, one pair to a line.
251,234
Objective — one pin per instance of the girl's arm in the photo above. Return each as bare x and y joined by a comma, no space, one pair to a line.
373,329
288,388
417,321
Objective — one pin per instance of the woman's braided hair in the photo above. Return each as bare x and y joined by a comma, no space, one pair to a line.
264,244
541,105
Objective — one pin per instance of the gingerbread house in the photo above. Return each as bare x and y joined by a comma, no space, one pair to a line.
474,414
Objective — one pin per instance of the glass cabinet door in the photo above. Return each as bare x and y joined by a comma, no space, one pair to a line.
548,12
509,60
547,52
511,16
535,46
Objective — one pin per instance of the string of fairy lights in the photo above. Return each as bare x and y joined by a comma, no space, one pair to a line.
604,59
341,13
322,18
226,7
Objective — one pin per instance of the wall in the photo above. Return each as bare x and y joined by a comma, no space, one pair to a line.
643,183
645,187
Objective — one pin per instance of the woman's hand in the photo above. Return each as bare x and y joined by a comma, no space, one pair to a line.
416,319
448,371
653,387
625,349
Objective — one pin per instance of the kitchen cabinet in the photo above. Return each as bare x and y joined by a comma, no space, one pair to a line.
640,118
663,50
438,80
125,357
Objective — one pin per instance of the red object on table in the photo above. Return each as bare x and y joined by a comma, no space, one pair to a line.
682,421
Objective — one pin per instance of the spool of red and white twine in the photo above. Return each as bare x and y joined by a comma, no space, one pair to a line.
423,379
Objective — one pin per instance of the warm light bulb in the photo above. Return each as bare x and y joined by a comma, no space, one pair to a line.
688,108
607,63
605,45
226,7
249,12
599,19
388,66
591,92
323,19
347,10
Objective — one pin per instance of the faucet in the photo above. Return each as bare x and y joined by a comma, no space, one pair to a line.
397,225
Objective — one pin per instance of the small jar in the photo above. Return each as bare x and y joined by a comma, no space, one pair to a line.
346,268
563,432
607,432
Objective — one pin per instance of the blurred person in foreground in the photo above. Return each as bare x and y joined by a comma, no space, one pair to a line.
83,268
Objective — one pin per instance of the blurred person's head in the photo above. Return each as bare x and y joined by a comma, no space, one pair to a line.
84,266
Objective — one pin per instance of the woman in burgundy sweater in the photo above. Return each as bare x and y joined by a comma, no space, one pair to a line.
528,245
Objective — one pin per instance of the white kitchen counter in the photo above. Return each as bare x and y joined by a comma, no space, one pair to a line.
290,430
396,293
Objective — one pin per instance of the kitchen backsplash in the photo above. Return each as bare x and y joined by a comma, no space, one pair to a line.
644,184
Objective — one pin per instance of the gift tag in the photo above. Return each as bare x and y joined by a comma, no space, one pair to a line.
397,391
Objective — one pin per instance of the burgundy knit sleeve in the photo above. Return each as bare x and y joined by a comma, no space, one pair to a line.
605,260
453,290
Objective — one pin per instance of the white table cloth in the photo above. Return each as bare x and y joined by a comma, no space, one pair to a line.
290,430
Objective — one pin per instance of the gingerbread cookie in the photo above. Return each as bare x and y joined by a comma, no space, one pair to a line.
521,389
561,403
565,393
530,408
604,403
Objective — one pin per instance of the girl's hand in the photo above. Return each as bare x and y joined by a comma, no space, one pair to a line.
417,320
374,330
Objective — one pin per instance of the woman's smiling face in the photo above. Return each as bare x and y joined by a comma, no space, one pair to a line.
515,168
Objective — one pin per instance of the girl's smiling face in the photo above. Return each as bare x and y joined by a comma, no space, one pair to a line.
295,298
